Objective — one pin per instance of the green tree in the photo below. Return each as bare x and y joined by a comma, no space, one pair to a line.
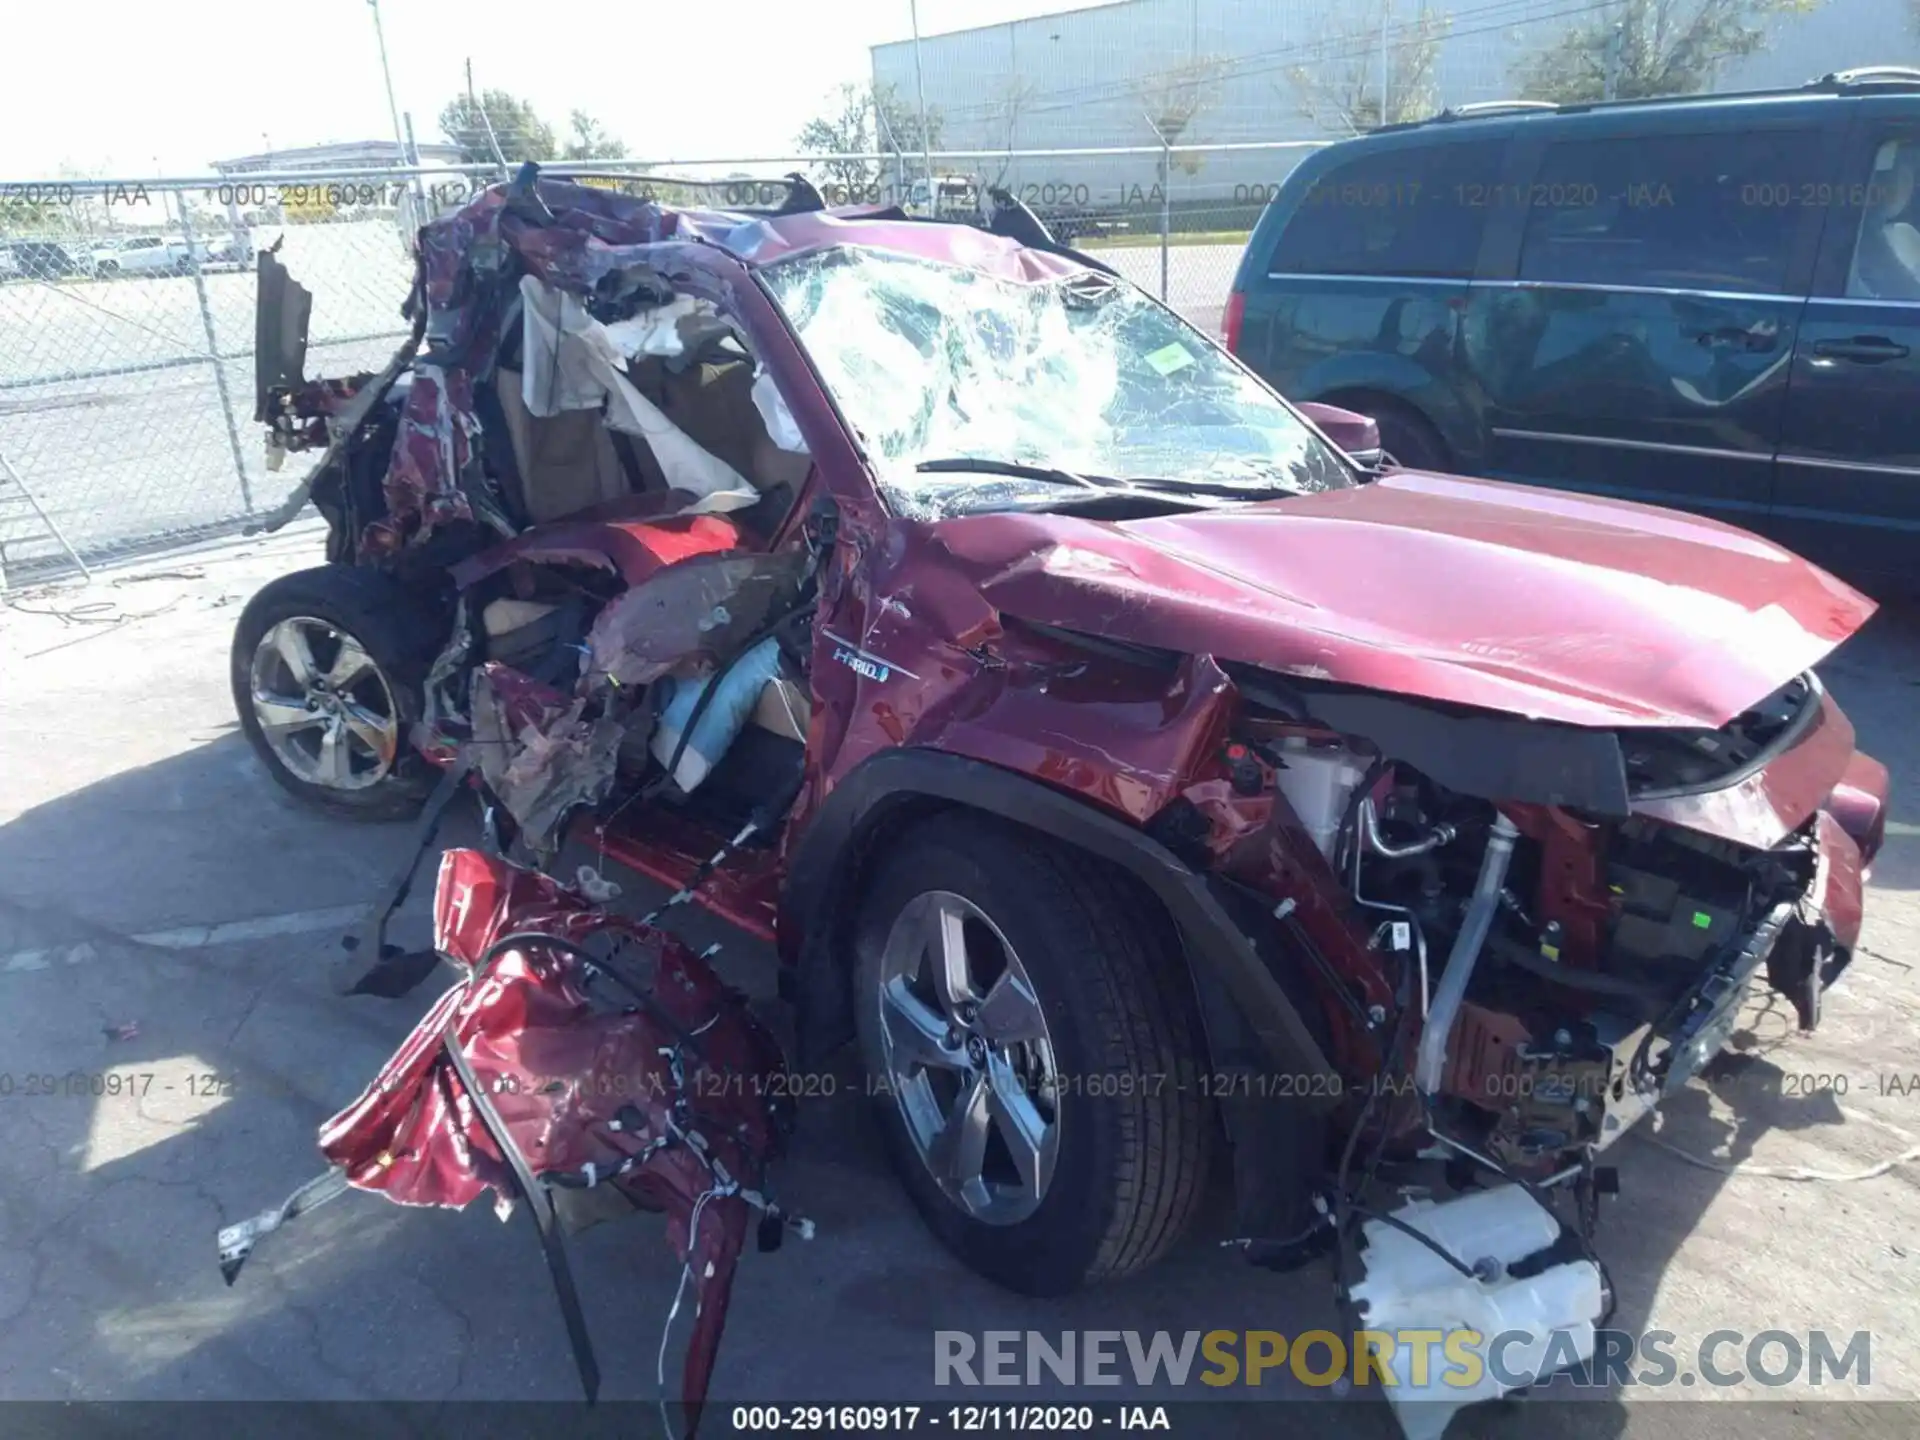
29,217
863,119
522,134
1651,47
1339,90
591,140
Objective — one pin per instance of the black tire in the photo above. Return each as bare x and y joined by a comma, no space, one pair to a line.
1407,436
1135,1133
400,632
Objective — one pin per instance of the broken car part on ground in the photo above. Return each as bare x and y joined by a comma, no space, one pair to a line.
1067,709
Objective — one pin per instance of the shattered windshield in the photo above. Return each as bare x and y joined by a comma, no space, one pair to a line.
972,392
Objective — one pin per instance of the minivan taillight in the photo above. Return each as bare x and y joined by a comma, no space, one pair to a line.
1230,322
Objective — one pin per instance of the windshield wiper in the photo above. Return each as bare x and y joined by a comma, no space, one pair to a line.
973,464
1251,490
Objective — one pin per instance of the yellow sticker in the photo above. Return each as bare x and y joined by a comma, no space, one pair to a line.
1169,358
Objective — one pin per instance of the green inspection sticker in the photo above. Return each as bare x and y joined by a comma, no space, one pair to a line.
1169,358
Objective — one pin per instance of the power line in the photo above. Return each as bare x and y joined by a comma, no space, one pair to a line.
1285,57
1510,12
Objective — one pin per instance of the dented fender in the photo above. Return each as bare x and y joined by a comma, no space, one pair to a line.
819,884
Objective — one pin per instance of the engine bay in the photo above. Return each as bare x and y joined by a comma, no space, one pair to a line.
1610,959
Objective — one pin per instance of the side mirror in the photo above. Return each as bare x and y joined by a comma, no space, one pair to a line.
1358,435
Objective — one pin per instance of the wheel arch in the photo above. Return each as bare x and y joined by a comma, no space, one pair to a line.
898,788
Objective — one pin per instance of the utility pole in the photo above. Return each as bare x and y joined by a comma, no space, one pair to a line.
1615,43
486,121
920,87
1166,195
386,73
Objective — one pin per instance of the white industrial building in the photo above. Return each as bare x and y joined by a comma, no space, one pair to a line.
343,155
1089,78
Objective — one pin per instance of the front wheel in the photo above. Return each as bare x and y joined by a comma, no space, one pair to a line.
1029,1032
326,671
1410,439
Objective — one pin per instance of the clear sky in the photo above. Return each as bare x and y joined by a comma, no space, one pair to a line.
131,87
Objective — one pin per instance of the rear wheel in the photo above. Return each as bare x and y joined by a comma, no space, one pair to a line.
326,670
1029,1031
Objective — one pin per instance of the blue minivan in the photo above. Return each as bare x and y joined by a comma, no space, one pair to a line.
1710,302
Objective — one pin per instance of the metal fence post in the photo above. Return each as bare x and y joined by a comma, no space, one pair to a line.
213,355
1166,212
91,308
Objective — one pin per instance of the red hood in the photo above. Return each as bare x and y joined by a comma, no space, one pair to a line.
1533,602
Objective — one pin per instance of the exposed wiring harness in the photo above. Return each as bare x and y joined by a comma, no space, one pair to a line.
1346,1203
1806,1173
673,1310
724,1184
1787,1172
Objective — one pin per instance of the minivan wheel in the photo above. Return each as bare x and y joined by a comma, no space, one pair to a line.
1030,1041
326,673
1408,437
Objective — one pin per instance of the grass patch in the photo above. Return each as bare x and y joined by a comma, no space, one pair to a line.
1152,240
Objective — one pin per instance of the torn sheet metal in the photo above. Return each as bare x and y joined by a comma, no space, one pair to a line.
571,362
436,461
636,1068
332,415
237,1240
685,325
686,618
538,754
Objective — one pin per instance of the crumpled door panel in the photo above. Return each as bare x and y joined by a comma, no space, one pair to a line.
687,617
611,1055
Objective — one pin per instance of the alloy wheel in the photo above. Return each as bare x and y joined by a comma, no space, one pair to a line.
323,705
968,1057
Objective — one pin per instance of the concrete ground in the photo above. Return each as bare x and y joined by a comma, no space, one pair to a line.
166,917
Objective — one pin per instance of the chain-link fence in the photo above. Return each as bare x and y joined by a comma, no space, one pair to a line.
127,307
127,337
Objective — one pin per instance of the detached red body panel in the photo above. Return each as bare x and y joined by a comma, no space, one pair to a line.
592,1087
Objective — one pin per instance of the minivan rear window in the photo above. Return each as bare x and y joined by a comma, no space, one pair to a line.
1412,210
1711,211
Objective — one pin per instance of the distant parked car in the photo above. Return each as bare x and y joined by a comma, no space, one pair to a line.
230,252
1710,302
39,260
151,255
963,199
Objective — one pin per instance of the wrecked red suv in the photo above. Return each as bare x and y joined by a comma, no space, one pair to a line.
1126,768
